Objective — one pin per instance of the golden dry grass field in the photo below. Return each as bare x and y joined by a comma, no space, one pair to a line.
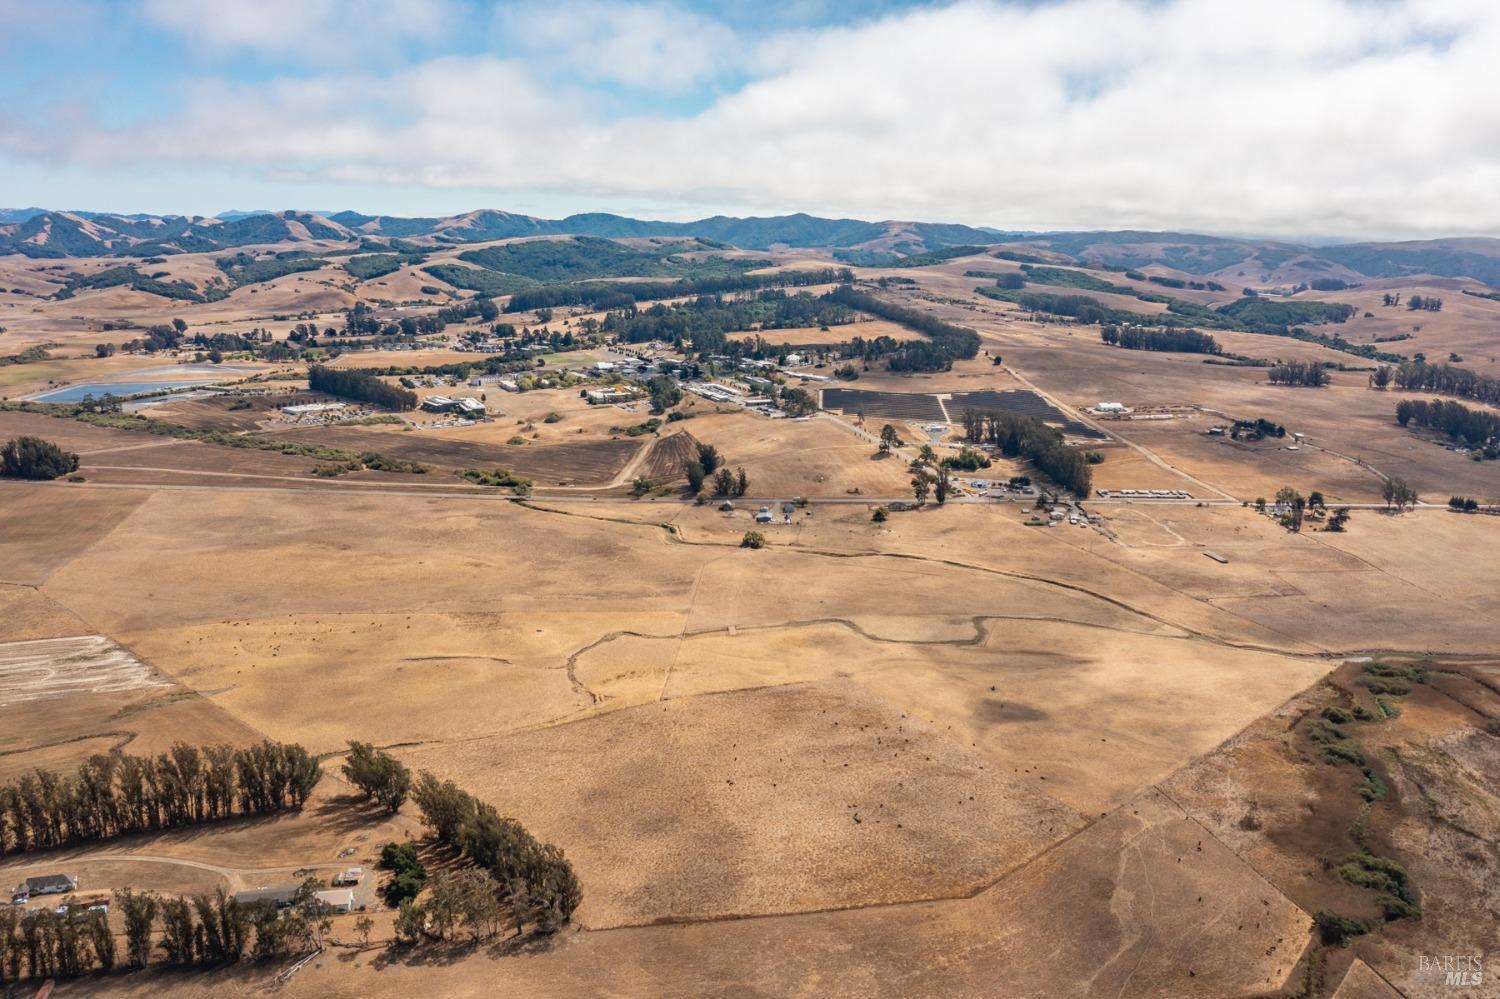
946,753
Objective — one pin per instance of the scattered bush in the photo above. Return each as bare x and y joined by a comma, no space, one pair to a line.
1398,899
499,477
1335,930
967,460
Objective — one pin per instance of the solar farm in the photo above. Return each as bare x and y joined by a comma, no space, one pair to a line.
923,407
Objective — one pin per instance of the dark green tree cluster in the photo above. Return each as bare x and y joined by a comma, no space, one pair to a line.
378,775
1309,374
706,320
127,275
1256,429
664,392
967,460
253,341
1264,315
704,464
1178,341
1476,428
407,873
945,341
245,268
730,484
536,880
117,794
1424,303
1027,437
33,458
158,338
582,258
600,295
376,265
353,383
796,402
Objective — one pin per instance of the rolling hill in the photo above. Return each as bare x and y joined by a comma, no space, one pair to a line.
58,234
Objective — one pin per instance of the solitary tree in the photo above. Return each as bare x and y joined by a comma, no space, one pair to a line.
379,775
695,476
941,490
140,913
411,922
709,458
921,485
888,439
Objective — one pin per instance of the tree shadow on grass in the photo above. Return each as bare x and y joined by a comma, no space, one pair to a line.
441,953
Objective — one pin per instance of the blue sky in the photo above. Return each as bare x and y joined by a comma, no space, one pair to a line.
1290,117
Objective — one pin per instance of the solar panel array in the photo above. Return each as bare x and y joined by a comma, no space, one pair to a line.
925,408
917,406
1022,403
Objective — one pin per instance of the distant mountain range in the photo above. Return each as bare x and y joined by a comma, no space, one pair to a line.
40,233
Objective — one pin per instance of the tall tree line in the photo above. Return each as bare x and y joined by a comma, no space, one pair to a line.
1445,378
1475,427
118,794
41,944
622,294
1305,373
1179,341
352,383
201,930
945,341
1030,438
706,320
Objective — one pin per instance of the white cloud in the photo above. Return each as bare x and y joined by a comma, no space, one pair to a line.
1301,117
661,46
319,30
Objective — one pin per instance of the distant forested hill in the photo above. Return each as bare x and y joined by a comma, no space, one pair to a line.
36,232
